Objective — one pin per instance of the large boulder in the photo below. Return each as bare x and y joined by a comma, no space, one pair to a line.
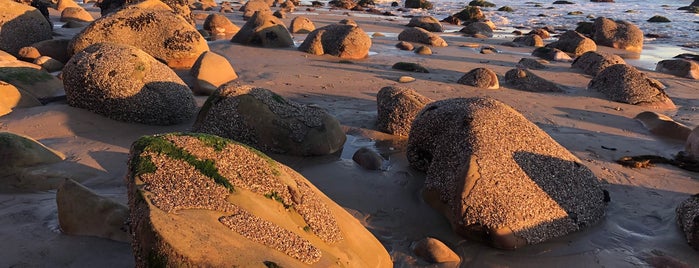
481,78
264,29
199,200
301,25
593,62
419,35
19,151
477,28
524,79
252,6
84,212
617,34
217,23
688,219
124,83
341,40
20,26
211,71
574,43
496,176
161,33
624,83
426,22
679,67
397,108
264,120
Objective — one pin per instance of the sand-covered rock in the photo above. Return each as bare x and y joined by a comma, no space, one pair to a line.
340,40
498,177
679,67
252,6
574,43
480,77
12,97
84,212
269,122
301,25
161,33
217,23
428,23
54,48
419,35
397,108
19,151
688,219
662,125
21,25
593,62
201,200
617,34
211,70
434,251
264,29
624,83
524,79
76,14
124,83
39,83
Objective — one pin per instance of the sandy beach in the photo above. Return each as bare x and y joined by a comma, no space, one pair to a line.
638,230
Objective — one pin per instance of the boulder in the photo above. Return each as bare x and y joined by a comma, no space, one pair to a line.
264,120
343,4
662,125
124,83
54,48
477,28
12,97
551,54
161,33
368,159
63,4
541,32
524,79
217,23
252,6
4,56
397,108
470,14
617,34
211,70
402,45
481,78
624,83
76,14
423,50
419,35
574,43
340,40
428,23
593,62
527,63
434,251
34,81
481,3
688,220
49,64
288,6
20,26
498,177
226,7
19,151
301,25
680,67
658,18
424,4
410,67
84,212
180,7
531,40
264,29
348,22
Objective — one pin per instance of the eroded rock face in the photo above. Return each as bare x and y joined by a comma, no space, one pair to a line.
124,83
264,29
419,35
21,25
341,40
617,34
237,208
161,33
593,62
269,122
688,219
624,83
397,108
497,176
480,77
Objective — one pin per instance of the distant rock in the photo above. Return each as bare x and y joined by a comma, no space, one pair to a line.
397,108
343,4
124,83
419,35
368,159
264,120
617,34
161,33
252,6
211,70
424,4
238,208
506,9
551,54
470,14
428,23
658,18
688,220
541,32
76,14
265,30
406,79
410,67
681,68
19,151
434,251
602,1
279,14
481,78
593,62
63,4
344,41
574,43
301,25
217,23
477,28
481,3
21,25
624,83
664,126
83,212
402,45
531,40
481,153
423,50
523,79
562,2
531,64
12,97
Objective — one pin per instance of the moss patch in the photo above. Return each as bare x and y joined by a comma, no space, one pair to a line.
24,75
213,141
